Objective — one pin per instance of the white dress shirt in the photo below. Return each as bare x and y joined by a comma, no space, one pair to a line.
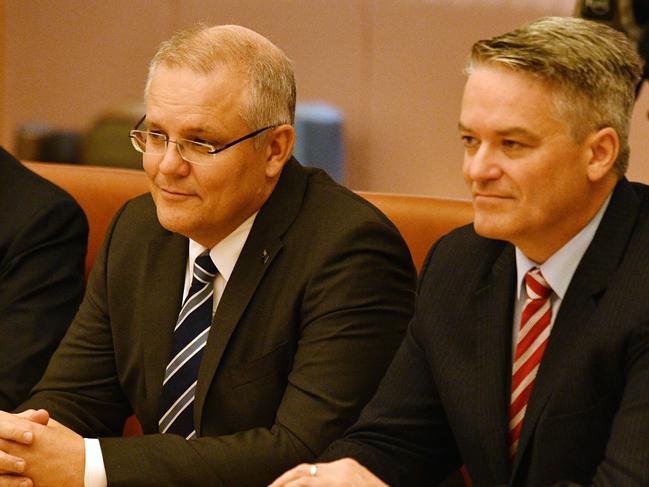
557,270
224,255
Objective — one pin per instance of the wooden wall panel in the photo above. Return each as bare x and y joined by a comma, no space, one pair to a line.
393,67
418,54
70,60
326,39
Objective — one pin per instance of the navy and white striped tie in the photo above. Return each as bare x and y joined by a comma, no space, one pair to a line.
189,339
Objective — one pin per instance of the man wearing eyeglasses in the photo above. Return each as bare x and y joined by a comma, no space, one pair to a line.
244,311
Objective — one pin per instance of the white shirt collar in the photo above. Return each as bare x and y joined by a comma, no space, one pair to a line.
560,267
226,252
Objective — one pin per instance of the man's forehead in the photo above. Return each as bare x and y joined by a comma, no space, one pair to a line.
196,100
501,93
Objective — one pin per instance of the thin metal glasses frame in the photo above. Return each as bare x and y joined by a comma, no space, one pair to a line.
212,151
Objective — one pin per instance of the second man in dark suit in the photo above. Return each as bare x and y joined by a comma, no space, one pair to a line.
528,356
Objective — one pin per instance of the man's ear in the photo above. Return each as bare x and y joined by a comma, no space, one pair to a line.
278,149
604,147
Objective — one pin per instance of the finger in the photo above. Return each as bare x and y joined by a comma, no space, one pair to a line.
12,481
18,431
305,482
295,473
11,464
40,416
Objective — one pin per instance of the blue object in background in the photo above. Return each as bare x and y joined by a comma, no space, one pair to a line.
319,138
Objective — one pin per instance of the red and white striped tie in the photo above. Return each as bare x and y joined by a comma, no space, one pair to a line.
532,340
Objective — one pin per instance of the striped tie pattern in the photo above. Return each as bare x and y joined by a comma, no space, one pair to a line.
189,339
532,340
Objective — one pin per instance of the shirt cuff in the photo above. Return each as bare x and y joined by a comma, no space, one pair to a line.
95,473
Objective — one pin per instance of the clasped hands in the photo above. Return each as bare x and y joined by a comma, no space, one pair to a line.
37,451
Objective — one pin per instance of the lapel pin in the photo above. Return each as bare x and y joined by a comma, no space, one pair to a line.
264,256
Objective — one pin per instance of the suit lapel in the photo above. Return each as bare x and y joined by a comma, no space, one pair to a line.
491,313
161,300
580,302
262,246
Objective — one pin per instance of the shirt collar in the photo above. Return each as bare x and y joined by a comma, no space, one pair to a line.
560,267
225,253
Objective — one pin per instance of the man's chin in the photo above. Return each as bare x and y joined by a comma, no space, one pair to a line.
490,229
172,221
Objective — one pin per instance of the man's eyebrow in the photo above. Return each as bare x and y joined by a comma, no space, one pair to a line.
200,131
208,132
150,124
515,131
506,132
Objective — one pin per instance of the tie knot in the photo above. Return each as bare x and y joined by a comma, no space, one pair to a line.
536,285
204,268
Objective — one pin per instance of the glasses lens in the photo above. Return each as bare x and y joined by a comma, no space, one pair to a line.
154,143
148,142
196,152
138,140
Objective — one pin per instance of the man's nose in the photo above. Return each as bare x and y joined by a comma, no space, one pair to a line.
482,164
171,160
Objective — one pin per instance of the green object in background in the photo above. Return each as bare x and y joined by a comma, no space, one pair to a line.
107,144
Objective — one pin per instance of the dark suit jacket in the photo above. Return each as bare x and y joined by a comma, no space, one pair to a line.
444,399
43,237
314,310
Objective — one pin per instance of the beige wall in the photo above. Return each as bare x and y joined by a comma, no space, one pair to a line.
393,67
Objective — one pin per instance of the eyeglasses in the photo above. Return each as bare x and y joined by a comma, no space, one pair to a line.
201,153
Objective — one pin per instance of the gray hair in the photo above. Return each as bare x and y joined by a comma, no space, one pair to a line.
593,68
268,71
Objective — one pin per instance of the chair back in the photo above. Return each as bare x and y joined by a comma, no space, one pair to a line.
100,191
422,220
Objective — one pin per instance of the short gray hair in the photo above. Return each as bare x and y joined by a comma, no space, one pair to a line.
594,68
269,72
